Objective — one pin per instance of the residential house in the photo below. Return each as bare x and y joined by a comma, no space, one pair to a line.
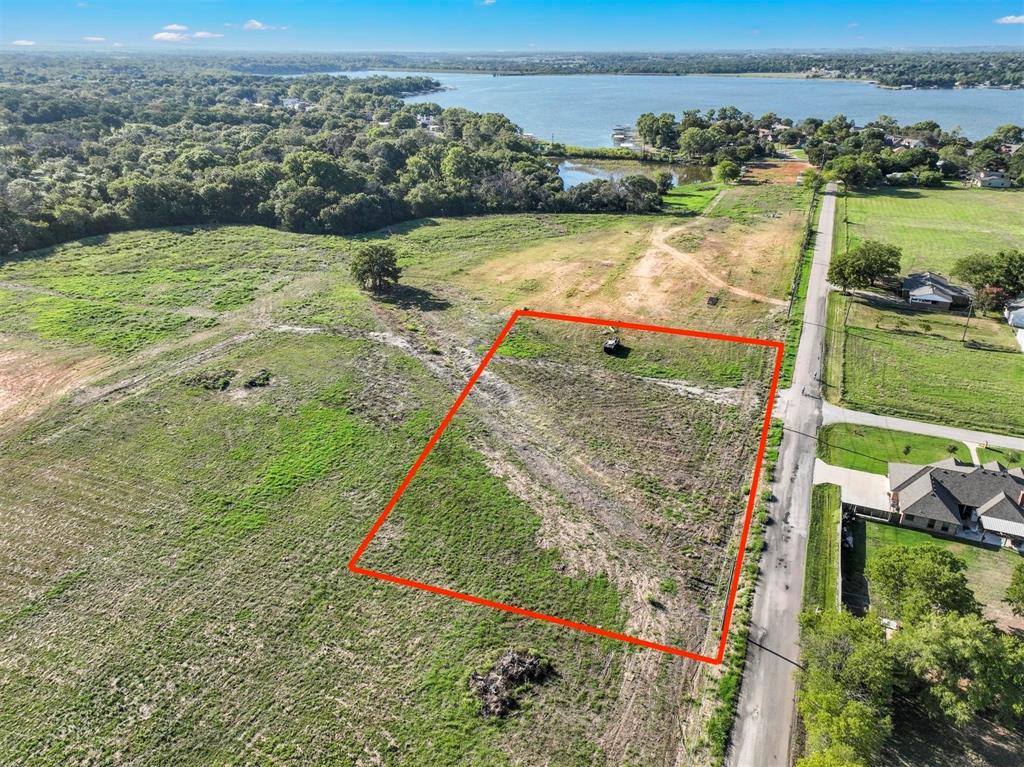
296,105
927,289
1014,313
991,179
950,497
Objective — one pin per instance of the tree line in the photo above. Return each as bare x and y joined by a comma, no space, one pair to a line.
92,145
923,69
881,151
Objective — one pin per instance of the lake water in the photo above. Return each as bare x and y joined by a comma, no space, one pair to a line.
575,172
583,109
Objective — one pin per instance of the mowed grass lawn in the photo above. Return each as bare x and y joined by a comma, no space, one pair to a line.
822,567
988,570
1005,456
867,448
913,365
934,227
691,198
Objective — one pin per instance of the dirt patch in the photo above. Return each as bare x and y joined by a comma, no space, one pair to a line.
706,249
752,262
32,379
780,172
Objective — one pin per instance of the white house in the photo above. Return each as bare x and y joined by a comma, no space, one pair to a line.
990,179
1014,313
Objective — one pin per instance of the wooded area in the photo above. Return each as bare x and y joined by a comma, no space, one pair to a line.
92,145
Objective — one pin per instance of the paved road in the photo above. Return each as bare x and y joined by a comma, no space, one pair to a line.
835,414
761,735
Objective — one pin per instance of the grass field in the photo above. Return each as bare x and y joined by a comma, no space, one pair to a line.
893,361
988,570
867,448
173,585
751,238
934,227
691,198
822,569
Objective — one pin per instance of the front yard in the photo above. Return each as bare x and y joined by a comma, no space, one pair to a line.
892,361
867,448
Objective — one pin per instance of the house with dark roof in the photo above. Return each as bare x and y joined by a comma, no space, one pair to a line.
928,289
954,498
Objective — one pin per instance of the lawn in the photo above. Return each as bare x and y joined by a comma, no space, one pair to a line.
1007,457
799,299
988,569
173,584
822,569
691,198
867,448
894,361
934,227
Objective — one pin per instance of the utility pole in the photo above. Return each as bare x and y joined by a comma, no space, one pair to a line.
967,324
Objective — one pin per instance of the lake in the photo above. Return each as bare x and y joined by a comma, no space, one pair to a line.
583,109
575,172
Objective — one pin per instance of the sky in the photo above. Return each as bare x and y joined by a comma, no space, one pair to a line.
507,25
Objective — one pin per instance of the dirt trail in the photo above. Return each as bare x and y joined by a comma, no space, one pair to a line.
654,264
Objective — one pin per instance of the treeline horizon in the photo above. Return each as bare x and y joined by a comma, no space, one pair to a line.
90,146
94,145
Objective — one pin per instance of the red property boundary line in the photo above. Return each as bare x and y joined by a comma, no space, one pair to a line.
716,659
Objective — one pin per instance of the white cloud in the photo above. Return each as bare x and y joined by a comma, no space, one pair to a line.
94,39
488,2
853,25
1010,20
207,35
170,37
23,42
253,25
175,28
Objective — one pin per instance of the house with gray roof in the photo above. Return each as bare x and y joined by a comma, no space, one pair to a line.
953,498
931,290
1014,313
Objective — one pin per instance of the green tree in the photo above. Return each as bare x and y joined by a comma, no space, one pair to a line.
956,662
864,264
833,756
727,170
1015,592
877,260
995,277
375,267
664,180
832,717
852,651
911,583
854,170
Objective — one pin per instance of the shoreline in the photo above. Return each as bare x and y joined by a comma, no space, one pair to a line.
751,75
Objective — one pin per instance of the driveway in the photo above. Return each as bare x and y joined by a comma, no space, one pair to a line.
859,488
767,707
